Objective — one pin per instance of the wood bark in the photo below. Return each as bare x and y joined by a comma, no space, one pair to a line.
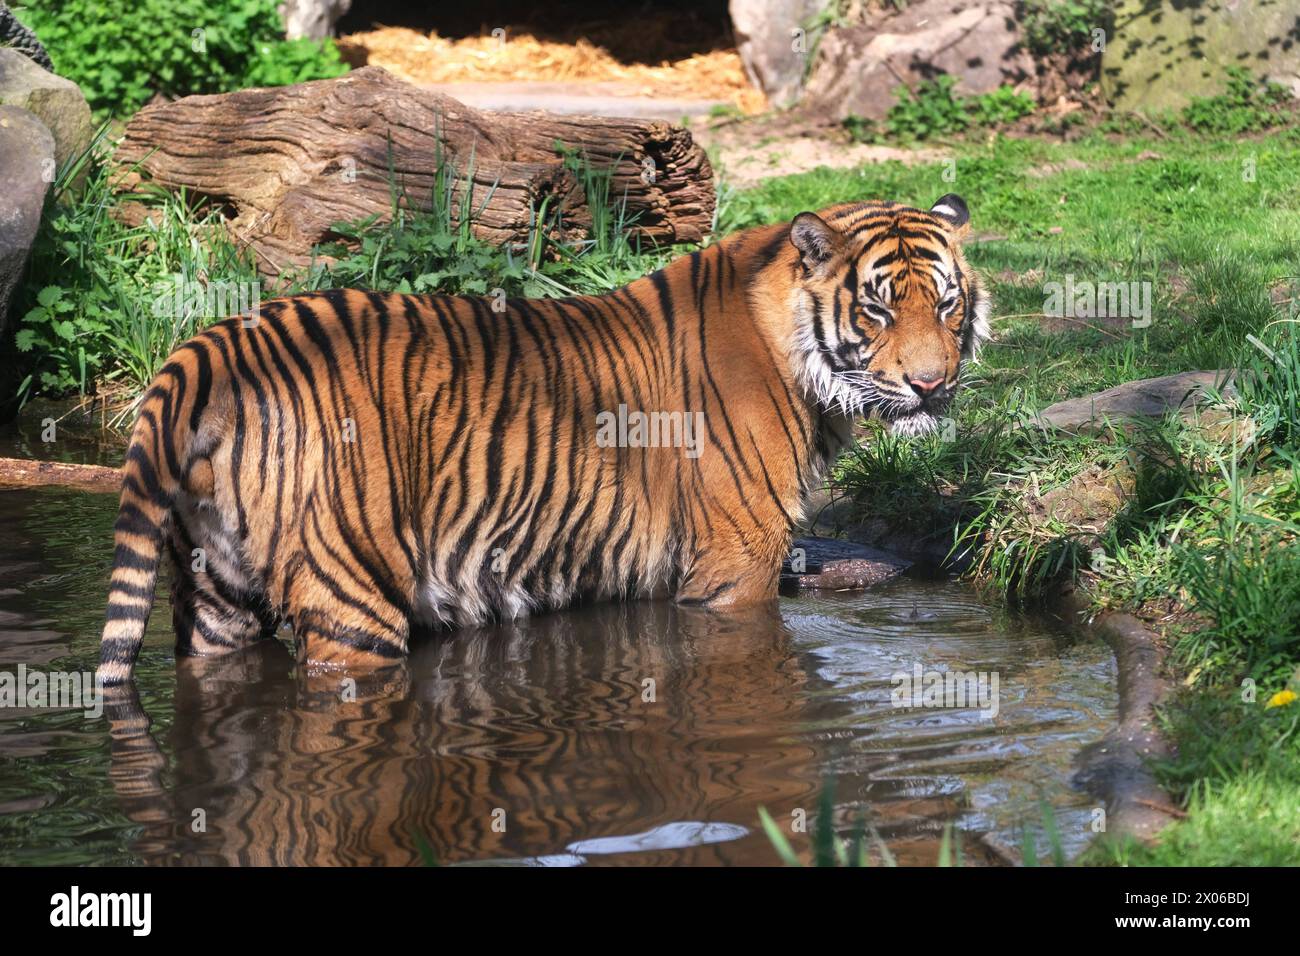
287,163
25,473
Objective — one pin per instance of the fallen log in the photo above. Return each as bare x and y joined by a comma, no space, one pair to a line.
25,473
288,162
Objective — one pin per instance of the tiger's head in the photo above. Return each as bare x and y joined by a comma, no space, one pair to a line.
885,309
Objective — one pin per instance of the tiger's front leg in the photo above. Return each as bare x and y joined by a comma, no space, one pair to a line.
733,571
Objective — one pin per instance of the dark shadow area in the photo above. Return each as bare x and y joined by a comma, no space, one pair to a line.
641,33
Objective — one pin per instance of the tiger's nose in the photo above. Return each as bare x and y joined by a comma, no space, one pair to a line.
925,384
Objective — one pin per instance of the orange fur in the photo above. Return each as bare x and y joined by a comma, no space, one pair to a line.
363,464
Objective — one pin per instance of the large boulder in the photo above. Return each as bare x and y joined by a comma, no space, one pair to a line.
26,168
58,103
858,67
772,40
1163,54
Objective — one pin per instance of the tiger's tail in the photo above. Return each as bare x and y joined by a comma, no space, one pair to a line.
151,477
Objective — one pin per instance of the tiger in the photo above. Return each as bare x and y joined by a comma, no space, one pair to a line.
364,467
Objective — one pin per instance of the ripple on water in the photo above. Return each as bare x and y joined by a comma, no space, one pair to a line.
605,735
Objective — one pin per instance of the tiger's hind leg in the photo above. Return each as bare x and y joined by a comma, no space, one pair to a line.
215,609
347,638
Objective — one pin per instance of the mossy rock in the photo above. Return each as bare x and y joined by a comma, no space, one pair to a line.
1163,54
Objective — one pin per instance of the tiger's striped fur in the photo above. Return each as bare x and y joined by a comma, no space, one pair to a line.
360,465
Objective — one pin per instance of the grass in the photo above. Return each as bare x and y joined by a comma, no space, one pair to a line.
1238,774
827,849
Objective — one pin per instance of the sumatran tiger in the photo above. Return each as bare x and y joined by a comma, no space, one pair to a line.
362,465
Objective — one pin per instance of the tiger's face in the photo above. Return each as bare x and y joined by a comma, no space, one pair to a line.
886,309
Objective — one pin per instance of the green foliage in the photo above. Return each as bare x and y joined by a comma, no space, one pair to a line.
415,254
1001,106
433,249
95,313
56,327
934,110
1029,842
285,62
1053,26
1237,770
1249,103
89,305
1246,577
828,850
1269,382
1251,586
860,128
122,52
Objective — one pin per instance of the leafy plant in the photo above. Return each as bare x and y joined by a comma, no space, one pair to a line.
1269,383
861,129
1001,106
92,320
1051,26
287,62
932,109
62,332
1249,103
123,52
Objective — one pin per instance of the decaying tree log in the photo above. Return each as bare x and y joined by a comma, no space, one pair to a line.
289,162
24,473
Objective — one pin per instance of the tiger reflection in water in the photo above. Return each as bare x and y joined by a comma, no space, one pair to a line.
547,719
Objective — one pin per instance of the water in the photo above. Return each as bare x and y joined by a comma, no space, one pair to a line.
633,734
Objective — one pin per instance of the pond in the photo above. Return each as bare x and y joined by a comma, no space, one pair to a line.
614,734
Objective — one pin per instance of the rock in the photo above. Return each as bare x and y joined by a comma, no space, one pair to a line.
827,564
1163,54
26,171
56,102
1085,504
1144,398
857,68
833,512
313,19
774,55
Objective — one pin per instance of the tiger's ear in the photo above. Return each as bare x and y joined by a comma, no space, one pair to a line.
952,209
816,240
